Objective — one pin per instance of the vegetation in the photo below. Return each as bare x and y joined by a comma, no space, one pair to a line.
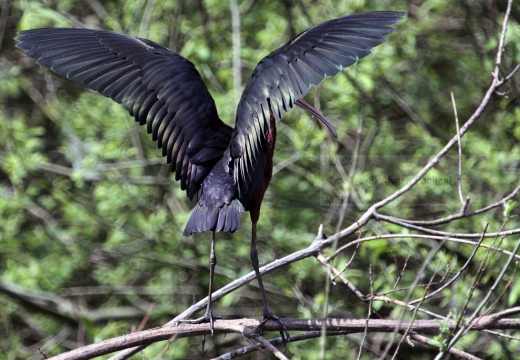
91,218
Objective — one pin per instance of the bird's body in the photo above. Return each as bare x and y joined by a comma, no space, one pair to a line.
221,199
229,169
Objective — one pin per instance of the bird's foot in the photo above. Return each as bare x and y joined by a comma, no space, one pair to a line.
268,315
207,318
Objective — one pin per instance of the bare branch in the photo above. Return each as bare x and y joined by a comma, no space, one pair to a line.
246,327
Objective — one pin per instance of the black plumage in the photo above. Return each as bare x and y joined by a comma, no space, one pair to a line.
157,87
229,169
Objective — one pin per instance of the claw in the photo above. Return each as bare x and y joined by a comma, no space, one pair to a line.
208,317
268,315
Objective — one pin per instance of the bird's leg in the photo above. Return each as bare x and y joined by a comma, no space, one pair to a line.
268,314
208,315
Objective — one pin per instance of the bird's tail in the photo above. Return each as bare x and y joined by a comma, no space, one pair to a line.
214,217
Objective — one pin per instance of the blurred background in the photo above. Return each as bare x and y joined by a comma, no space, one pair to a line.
91,218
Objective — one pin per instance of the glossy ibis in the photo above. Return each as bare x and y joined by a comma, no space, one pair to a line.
228,169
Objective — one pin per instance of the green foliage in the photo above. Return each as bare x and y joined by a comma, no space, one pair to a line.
445,332
509,206
88,211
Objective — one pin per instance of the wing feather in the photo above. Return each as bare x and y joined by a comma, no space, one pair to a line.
287,74
159,88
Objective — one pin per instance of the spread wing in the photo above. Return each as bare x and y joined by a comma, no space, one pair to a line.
286,75
159,88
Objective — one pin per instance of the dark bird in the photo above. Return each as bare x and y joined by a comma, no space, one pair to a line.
228,169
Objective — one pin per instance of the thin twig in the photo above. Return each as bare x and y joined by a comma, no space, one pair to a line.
418,236
406,225
348,262
338,274
502,40
401,273
369,313
462,215
459,147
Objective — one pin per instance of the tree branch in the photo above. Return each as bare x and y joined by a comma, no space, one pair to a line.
246,328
